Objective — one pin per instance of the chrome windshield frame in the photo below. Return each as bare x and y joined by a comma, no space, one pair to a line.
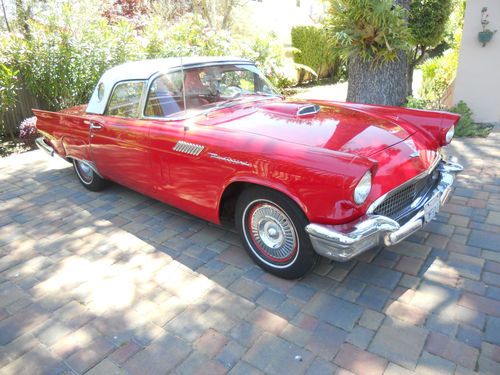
190,113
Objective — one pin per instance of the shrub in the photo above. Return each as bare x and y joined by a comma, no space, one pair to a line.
9,84
439,72
417,103
314,49
8,94
27,131
69,46
466,127
191,35
61,66
437,75
269,56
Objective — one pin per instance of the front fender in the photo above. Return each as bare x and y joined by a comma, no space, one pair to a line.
324,196
259,181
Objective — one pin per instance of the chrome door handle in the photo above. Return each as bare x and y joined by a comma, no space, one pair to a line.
95,126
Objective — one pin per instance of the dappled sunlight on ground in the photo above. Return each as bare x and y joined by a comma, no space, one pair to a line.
116,282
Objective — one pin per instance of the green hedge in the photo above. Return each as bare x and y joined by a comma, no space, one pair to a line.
314,50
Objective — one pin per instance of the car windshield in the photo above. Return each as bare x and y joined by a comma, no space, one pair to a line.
205,88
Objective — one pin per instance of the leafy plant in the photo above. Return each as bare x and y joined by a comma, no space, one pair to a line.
60,63
373,30
466,127
314,49
68,45
439,72
8,93
417,103
427,21
437,76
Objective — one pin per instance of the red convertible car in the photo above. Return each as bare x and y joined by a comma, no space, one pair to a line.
299,179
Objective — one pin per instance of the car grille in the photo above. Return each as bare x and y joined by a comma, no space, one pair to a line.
397,202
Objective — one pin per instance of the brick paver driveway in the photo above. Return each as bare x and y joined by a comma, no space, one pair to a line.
116,283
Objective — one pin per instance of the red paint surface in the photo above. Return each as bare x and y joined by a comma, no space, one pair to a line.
316,160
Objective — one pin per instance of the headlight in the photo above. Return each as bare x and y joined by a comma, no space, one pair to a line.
363,189
450,134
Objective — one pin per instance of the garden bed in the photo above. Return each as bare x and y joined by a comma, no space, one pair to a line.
9,146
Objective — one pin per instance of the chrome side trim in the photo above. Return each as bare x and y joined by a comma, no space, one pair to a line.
40,143
213,155
188,148
343,242
425,173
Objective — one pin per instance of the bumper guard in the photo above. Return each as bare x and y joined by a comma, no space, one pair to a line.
40,143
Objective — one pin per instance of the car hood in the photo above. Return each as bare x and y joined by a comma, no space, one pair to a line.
333,127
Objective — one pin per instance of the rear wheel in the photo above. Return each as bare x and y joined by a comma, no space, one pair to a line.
272,228
88,177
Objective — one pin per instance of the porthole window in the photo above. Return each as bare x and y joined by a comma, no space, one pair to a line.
100,91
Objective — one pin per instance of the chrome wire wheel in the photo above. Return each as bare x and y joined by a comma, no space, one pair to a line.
84,171
273,237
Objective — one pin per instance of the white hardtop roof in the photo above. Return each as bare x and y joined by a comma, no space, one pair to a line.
144,69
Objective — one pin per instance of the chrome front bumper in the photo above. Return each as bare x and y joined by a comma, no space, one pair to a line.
343,242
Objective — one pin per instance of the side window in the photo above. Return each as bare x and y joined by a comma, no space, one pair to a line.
126,99
165,96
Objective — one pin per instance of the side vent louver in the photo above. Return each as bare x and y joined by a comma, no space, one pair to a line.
309,109
188,148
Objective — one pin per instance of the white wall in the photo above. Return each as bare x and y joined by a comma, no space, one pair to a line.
478,76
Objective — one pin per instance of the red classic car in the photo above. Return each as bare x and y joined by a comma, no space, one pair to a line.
299,179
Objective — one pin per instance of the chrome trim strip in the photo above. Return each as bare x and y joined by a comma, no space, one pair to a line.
213,155
188,148
343,242
423,174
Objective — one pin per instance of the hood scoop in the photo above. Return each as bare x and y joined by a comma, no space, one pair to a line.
292,109
308,109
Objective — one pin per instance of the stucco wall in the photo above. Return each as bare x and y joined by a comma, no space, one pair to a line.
478,76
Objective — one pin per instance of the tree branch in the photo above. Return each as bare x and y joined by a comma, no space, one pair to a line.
5,16
420,58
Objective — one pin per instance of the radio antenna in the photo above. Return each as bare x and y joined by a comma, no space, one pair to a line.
183,85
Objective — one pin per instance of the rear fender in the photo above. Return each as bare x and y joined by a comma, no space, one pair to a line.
433,125
67,133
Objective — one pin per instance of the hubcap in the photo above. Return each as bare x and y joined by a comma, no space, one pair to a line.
85,171
272,232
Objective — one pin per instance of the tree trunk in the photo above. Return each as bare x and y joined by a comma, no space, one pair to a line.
409,78
383,83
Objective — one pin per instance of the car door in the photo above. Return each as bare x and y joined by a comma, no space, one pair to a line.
166,133
119,140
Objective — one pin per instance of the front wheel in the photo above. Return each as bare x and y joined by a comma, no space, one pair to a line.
88,177
272,228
